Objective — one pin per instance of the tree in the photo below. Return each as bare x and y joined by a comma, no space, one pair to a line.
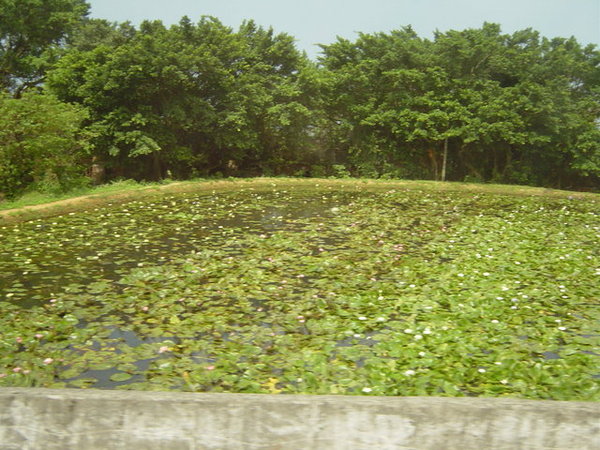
41,143
30,32
191,99
475,104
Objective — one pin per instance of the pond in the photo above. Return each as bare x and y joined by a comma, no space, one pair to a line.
320,290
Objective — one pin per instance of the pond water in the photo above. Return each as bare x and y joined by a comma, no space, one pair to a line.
390,292
47,256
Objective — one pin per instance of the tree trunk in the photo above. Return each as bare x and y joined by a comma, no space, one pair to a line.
433,162
445,160
156,166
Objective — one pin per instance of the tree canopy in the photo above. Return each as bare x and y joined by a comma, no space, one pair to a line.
30,32
203,99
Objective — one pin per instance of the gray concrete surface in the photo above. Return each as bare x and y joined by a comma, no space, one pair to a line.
94,419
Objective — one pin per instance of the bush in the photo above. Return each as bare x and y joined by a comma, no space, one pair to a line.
41,144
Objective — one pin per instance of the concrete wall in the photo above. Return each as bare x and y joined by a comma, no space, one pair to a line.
93,419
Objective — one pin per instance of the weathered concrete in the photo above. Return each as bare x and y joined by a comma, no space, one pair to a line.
93,419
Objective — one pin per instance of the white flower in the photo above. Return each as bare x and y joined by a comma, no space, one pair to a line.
461,274
495,321
362,318
562,328
486,274
422,354
408,331
481,370
366,389
409,373
418,337
381,319
426,331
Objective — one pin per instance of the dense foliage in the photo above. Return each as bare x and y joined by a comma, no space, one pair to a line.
31,31
41,143
475,104
308,291
202,99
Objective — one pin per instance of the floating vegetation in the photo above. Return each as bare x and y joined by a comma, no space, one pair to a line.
397,292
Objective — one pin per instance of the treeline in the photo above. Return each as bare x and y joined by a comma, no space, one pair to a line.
199,99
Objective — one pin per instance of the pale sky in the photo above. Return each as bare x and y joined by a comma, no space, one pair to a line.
314,22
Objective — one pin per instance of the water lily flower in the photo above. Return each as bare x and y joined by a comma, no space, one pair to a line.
408,331
481,370
418,337
422,354
409,373
367,389
48,361
362,318
17,369
210,367
164,349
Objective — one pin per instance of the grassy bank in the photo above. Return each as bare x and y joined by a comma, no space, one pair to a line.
36,205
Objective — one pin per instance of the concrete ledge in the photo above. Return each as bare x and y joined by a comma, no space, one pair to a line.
94,419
